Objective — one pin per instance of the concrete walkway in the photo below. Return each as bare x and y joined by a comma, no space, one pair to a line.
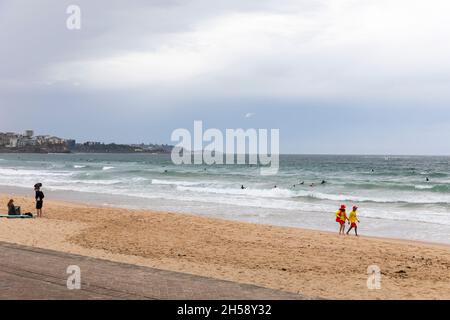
33,273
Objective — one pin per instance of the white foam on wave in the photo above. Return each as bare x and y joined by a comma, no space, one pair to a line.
335,197
34,172
76,166
268,193
285,193
139,179
422,187
175,182
405,198
96,182
25,176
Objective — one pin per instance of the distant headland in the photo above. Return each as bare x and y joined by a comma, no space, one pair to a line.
11,142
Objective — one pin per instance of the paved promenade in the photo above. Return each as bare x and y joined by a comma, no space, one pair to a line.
33,273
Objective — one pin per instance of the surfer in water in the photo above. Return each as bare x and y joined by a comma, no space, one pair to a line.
242,187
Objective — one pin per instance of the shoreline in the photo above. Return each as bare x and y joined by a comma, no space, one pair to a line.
313,263
405,230
191,214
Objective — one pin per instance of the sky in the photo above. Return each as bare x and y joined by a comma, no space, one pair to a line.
339,77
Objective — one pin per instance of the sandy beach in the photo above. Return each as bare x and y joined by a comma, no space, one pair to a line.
314,263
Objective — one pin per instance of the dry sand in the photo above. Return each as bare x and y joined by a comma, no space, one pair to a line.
315,263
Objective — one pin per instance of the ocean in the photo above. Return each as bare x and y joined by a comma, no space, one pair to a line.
392,192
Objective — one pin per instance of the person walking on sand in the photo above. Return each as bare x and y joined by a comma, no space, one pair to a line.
341,217
352,219
39,199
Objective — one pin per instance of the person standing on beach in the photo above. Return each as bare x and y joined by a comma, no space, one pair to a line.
341,217
39,199
352,219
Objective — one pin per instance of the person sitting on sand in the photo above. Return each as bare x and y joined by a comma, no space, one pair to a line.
12,209
352,219
39,199
341,217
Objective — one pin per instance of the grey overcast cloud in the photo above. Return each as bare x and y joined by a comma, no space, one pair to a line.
364,77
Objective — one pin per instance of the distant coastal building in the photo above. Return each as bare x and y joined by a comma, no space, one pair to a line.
28,141
9,139
4,139
56,140
153,148
29,133
47,139
42,139
13,142
71,144
92,143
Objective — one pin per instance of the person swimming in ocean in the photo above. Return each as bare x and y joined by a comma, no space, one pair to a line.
323,182
427,179
302,183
